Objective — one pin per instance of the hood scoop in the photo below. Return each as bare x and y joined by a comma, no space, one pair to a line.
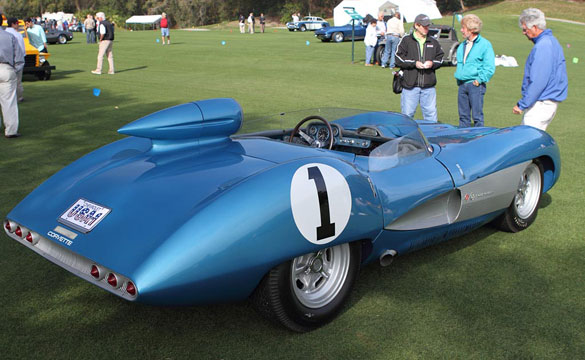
191,124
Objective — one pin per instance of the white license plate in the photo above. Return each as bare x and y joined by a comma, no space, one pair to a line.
84,215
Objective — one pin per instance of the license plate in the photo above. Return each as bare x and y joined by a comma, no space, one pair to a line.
84,215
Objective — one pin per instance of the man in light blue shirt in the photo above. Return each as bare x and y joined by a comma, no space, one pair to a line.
36,35
11,57
545,81
12,28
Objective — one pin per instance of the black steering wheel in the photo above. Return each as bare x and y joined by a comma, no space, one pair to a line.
309,139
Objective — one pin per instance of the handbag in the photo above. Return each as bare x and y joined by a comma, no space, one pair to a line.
397,82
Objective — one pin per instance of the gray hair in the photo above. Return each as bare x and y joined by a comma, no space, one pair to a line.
100,15
532,17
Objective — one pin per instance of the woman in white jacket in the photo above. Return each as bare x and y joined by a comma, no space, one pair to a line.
370,41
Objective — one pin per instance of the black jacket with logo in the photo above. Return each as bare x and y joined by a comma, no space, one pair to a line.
408,53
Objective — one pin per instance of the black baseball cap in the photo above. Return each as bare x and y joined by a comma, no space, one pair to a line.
422,19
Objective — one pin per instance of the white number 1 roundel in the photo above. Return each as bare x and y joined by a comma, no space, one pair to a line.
321,202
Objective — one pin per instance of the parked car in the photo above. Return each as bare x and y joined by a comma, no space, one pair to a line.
307,23
446,36
185,211
341,33
58,36
35,62
78,27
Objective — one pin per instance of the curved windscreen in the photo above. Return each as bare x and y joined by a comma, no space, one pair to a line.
399,151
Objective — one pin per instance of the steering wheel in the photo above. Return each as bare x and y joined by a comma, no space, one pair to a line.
309,139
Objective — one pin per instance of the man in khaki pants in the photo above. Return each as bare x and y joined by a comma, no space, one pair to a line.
106,36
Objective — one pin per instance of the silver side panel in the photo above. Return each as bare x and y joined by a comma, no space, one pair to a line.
441,210
491,193
482,196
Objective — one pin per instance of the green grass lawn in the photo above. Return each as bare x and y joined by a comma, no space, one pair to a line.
484,295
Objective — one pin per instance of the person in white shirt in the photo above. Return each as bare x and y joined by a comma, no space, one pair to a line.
394,32
12,28
295,18
370,41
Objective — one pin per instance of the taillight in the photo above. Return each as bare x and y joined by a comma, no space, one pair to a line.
113,280
8,226
18,231
95,272
130,288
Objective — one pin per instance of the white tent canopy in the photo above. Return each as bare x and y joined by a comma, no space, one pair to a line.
144,19
408,8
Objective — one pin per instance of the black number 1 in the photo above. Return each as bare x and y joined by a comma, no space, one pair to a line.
327,229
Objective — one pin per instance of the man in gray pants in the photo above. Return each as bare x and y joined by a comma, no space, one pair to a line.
11,57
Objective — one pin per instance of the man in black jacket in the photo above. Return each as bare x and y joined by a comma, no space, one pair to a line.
418,56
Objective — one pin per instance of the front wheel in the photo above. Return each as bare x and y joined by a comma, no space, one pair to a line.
45,74
379,54
522,212
309,291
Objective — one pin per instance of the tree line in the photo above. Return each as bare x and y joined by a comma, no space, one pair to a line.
185,13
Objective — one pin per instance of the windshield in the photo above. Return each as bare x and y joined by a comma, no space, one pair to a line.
383,139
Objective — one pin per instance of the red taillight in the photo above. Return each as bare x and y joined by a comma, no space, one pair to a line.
7,226
130,288
113,280
18,232
29,237
95,272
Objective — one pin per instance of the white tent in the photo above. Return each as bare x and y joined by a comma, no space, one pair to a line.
144,19
151,20
408,8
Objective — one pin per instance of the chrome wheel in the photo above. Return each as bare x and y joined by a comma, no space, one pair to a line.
338,37
528,194
318,277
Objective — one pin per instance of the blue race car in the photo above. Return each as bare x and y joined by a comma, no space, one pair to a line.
342,33
187,210
307,23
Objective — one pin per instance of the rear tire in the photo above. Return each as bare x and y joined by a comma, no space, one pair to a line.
524,208
338,37
303,28
309,291
62,39
379,54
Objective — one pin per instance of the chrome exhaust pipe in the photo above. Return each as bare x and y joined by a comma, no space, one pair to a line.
387,257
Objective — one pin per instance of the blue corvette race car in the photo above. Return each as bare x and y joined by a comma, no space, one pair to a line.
341,33
190,209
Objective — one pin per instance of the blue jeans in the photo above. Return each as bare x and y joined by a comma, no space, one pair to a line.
369,53
390,49
470,100
426,97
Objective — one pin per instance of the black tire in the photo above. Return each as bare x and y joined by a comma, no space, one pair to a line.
379,55
303,28
277,297
291,29
46,73
62,39
338,37
523,210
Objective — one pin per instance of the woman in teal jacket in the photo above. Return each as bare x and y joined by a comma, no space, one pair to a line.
476,64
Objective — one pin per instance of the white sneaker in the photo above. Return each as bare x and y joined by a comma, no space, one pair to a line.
96,72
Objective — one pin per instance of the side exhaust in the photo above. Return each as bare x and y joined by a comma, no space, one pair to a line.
387,257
